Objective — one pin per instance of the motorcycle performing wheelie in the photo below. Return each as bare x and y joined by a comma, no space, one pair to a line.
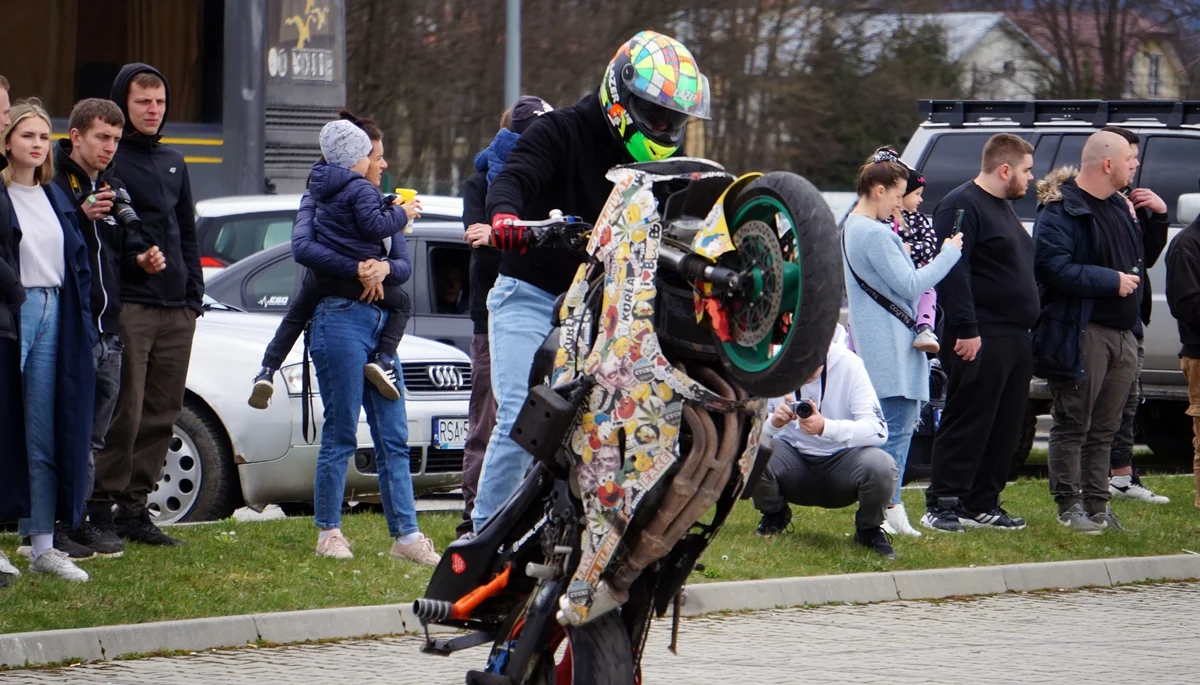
701,294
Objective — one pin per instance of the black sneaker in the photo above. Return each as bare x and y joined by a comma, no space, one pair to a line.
876,539
381,371
944,516
142,529
264,388
996,518
102,540
465,526
776,523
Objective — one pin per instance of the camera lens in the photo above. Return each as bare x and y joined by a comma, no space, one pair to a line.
804,410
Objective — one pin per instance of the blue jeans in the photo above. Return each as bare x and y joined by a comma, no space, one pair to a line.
107,355
39,368
518,322
901,415
344,334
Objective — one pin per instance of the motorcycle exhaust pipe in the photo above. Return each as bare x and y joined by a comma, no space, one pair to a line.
432,610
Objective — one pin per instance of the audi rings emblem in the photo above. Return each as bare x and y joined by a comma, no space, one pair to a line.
445,377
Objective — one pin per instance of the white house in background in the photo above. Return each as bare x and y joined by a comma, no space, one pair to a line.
998,60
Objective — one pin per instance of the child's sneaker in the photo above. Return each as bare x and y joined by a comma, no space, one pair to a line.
381,371
264,388
926,341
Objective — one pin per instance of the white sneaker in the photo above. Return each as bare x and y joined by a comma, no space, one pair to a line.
420,552
896,522
334,545
56,562
927,342
7,567
1135,491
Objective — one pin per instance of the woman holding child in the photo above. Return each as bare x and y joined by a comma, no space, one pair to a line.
350,236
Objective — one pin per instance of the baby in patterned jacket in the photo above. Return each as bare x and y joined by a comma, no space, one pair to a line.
921,244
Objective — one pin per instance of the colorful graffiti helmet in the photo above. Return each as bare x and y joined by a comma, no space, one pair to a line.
650,90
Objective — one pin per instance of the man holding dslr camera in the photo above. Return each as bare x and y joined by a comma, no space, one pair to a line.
826,451
83,167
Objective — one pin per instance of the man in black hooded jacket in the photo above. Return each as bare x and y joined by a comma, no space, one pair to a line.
159,314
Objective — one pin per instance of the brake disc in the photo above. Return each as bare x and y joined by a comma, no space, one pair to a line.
754,313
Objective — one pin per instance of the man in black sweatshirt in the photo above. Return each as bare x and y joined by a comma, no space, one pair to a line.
560,163
83,168
1183,297
990,300
159,315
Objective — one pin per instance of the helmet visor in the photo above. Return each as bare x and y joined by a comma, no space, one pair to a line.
657,122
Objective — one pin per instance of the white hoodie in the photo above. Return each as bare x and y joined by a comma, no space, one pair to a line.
851,410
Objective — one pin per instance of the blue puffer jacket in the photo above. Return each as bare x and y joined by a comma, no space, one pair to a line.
492,158
351,216
1066,246
324,260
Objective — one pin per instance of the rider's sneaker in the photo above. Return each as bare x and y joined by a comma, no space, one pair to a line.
381,371
264,388
876,539
944,516
775,523
55,562
927,342
420,552
895,522
996,518
1129,487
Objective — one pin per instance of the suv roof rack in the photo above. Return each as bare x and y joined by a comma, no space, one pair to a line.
1028,113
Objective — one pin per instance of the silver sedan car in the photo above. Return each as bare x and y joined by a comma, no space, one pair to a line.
226,454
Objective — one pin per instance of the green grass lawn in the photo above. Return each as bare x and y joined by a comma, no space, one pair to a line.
232,568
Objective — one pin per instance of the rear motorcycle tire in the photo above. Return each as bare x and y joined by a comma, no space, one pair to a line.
821,286
598,653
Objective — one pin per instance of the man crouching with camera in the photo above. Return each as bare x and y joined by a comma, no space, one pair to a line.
112,230
826,451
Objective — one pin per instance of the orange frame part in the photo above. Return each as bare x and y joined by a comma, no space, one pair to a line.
468,602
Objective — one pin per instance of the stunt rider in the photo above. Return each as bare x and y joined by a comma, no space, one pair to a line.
560,163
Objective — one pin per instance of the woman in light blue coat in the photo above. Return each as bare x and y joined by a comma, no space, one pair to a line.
876,256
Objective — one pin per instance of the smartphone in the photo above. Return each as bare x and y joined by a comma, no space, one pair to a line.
958,220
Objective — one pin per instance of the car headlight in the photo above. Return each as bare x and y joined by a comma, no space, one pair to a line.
293,377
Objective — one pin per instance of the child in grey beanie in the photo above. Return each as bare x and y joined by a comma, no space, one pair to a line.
343,144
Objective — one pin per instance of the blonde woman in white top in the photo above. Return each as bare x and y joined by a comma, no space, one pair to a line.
56,338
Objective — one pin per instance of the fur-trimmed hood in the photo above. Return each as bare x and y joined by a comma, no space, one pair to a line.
1049,189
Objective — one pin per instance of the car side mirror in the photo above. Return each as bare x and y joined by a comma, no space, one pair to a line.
1188,208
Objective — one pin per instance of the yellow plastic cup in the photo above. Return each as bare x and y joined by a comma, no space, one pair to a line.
406,195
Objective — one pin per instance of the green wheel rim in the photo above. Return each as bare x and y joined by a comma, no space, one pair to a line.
765,208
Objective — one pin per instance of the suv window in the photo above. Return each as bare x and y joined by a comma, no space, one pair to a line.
270,288
449,282
1171,168
236,239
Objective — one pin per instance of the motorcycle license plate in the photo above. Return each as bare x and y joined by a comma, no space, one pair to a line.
449,434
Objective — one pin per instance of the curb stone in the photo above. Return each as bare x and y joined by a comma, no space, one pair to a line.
110,642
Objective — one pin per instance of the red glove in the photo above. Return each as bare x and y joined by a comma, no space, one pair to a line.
505,236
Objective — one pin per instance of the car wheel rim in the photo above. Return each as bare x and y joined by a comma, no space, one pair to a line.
176,491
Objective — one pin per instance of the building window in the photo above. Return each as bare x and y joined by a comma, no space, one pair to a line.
1153,75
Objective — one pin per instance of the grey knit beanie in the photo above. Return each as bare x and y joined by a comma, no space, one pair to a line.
344,144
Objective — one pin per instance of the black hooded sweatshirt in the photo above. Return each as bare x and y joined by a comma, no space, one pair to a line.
157,179
559,163
112,249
